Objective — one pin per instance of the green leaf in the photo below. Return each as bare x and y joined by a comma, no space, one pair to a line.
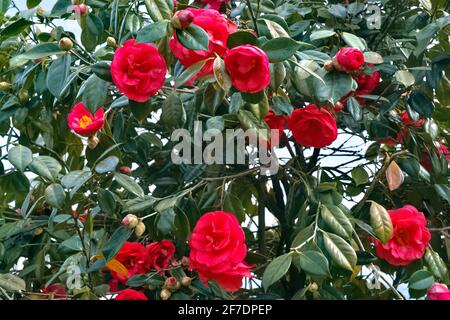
221,75
107,165
4,6
373,57
166,220
55,195
20,157
354,41
360,176
106,201
102,70
280,49
421,103
173,114
341,252
94,92
405,77
15,28
159,9
381,222
140,204
336,220
152,32
75,178
46,167
37,52
10,282
189,72
113,245
233,204
241,37
355,109
443,190
61,7
337,85
129,184
32,3
193,37
322,34
141,110
57,75
420,280
436,265
313,263
276,270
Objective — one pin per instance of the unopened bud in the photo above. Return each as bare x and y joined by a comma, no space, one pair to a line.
80,9
182,19
38,231
337,66
328,65
23,96
125,170
313,287
111,42
186,281
172,284
140,229
93,142
338,107
65,44
40,11
5,85
165,294
130,221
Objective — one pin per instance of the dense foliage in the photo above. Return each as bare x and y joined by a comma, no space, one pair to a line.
91,203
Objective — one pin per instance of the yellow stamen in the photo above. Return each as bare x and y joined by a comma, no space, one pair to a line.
85,121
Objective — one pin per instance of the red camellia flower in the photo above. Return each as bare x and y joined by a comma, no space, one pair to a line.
348,59
56,290
138,70
410,237
130,294
218,29
275,122
218,250
82,122
131,255
248,67
313,127
213,4
367,83
438,291
159,255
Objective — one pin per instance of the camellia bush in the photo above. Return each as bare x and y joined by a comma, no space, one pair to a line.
95,95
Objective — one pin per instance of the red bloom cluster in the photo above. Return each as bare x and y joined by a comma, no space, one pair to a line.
130,294
213,4
81,121
313,127
425,160
218,29
138,70
403,133
141,260
218,250
409,239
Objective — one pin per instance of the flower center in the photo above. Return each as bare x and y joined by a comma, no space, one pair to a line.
85,121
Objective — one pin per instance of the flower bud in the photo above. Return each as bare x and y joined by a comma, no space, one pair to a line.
38,231
172,284
140,229
23,96
5,85
165,294
80,9
93,142
40,11
182,19
313,287
328,65
338,107
65,44
130,221
186,281
125,170
111,42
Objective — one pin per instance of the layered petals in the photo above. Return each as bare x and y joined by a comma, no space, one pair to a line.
81,121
